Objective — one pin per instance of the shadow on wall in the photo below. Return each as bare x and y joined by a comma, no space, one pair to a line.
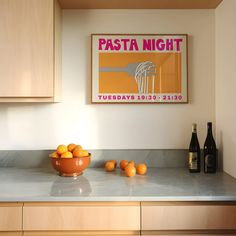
26,126
220,152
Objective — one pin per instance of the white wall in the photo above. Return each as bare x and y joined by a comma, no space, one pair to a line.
226,83
118,126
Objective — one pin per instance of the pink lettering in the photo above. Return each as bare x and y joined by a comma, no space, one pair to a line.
125,41
178,41
133,45
117,45
109,45
101,42
169,45
160,44
147,45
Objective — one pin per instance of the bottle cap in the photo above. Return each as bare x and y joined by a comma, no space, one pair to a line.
209,124
194,127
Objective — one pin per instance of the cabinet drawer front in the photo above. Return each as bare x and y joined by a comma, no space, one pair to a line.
79,233
11,234
81,217
191,217
10,218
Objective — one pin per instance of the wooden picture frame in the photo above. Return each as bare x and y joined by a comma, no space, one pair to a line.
139,68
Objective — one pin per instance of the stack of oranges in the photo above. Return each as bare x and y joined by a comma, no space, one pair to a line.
129,167
69,151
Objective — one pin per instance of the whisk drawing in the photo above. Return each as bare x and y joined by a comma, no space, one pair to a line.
144,74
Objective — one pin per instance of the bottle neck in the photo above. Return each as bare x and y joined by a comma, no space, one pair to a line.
194,128
209,128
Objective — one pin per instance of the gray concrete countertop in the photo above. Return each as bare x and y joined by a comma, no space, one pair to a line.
160,184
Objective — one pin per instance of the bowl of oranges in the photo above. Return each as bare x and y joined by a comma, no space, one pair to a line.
70,160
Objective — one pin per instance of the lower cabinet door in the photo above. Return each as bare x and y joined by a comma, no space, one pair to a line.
188,216
10,218
81,216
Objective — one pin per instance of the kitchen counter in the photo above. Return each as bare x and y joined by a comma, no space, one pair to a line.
160,184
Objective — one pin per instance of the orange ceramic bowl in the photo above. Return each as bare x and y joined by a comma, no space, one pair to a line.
70,167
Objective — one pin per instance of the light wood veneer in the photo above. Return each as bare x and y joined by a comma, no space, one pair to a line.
30,50
139,4
81,217
10,217
27,48
188,233
188,217
11,234
79,233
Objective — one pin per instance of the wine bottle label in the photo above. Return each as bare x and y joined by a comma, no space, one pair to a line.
192,161
209,162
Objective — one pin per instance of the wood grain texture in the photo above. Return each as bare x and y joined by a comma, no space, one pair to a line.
26,48
10,217
57,51
81,217
84,203
195,217
10,204
139,4
11,233
79,233
27,100
189,203
189,233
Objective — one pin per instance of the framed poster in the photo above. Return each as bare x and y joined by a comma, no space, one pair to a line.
139,68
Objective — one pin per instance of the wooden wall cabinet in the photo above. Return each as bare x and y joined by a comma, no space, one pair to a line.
30,51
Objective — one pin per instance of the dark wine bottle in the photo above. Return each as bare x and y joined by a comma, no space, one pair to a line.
194,155
210,153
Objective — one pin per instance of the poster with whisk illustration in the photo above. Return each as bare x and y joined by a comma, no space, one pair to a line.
139,68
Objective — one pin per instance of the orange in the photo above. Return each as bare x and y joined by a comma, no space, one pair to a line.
78,147
141,169
132,163
123,164
61,149
109,166
80,153
77,152
71,147
67,155
85,153
130,170
54,155
115,162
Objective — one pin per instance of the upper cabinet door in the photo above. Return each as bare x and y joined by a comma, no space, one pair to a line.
27,48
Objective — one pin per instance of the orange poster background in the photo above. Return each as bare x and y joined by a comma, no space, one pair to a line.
167,79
